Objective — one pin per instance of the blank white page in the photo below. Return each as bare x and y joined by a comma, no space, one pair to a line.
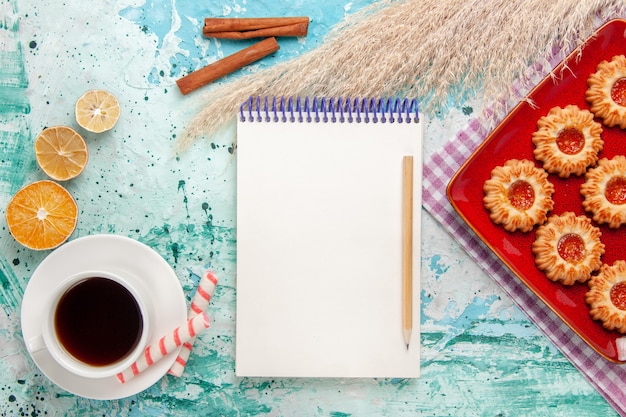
319,266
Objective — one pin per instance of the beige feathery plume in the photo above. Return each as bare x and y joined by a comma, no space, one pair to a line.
439,51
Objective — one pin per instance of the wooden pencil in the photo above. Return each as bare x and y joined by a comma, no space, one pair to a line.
407,248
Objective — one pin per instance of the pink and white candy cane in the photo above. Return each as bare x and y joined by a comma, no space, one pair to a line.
199,304
165,345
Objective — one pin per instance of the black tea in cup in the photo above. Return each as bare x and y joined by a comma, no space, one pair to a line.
98,321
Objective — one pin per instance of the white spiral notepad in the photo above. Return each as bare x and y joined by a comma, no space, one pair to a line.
319,248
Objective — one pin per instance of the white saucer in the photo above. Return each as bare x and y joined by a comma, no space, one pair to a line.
114,253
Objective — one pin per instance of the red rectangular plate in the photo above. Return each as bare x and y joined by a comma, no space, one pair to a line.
512,139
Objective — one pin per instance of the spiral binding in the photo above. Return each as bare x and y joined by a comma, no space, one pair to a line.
307,110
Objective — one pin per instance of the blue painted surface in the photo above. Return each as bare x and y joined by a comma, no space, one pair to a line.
481,356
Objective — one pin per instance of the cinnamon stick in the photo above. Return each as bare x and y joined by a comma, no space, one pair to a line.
296,29
228,24
226,65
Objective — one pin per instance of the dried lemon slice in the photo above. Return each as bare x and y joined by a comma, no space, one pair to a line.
61,152
97,111
42,215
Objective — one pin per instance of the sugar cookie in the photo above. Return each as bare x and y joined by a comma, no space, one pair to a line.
607,296
567,141
567,248
518,195
604,191
607,91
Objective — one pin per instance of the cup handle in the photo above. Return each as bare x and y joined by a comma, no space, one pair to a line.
35,344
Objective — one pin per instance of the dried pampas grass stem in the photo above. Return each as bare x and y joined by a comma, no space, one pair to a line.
435,50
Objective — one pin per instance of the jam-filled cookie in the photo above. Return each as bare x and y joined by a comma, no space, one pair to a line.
606,91
607,296
604,191
518,195
567,248
567,141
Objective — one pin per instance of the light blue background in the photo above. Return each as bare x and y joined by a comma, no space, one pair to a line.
480,354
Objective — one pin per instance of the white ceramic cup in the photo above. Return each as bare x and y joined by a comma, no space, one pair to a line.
49,339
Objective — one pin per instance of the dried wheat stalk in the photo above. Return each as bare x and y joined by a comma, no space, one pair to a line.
435,50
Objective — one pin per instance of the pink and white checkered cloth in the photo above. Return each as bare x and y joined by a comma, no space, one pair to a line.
607,377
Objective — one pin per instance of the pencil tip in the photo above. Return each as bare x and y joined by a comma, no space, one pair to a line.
407,346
